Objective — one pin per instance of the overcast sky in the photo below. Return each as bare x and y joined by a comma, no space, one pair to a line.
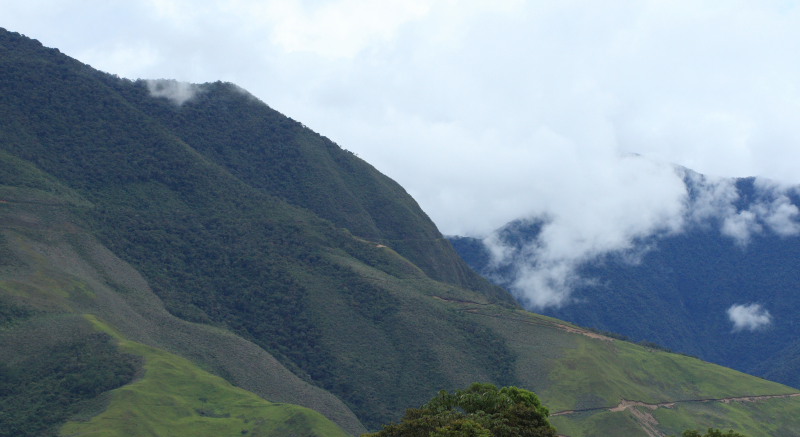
487,111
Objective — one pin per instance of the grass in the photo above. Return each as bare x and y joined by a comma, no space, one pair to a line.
617,370
176,398
765,418
598,424
575,372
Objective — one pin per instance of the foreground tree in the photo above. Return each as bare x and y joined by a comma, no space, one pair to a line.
482,410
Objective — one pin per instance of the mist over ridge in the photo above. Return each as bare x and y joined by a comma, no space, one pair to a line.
628,221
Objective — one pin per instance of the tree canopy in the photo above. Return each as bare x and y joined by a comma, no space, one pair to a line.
482,410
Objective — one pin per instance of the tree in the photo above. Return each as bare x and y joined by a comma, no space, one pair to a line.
482,410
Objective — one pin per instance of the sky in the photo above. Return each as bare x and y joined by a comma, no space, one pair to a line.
489,111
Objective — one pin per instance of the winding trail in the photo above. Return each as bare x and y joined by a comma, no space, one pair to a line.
626,404
648,422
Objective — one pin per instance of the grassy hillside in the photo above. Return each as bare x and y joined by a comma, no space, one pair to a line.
583,376
216,260
54,273
174,397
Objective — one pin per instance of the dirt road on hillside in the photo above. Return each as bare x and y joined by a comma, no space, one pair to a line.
648,422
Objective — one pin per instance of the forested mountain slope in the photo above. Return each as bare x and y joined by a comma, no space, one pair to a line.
179,249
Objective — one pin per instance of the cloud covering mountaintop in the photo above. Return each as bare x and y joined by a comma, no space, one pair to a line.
544,266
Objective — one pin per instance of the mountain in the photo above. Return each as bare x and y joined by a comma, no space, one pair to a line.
181,259
729,298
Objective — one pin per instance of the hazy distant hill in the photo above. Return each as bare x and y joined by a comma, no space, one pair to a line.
679,292
181,259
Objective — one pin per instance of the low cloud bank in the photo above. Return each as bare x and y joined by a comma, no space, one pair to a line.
769,210
663,200
750,317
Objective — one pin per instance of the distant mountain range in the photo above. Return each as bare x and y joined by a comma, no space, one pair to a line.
726,289
182,260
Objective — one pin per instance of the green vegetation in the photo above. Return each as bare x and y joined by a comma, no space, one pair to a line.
232,212
228,248
588,376
482,410
761,417
40,389
11,314
711,433
58,268
174,397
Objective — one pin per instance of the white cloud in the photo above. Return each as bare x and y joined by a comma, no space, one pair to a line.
617,202
749,317
118,58
715,198
588,227
342,28
741,226
771,208
776,209
175,91
710,196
